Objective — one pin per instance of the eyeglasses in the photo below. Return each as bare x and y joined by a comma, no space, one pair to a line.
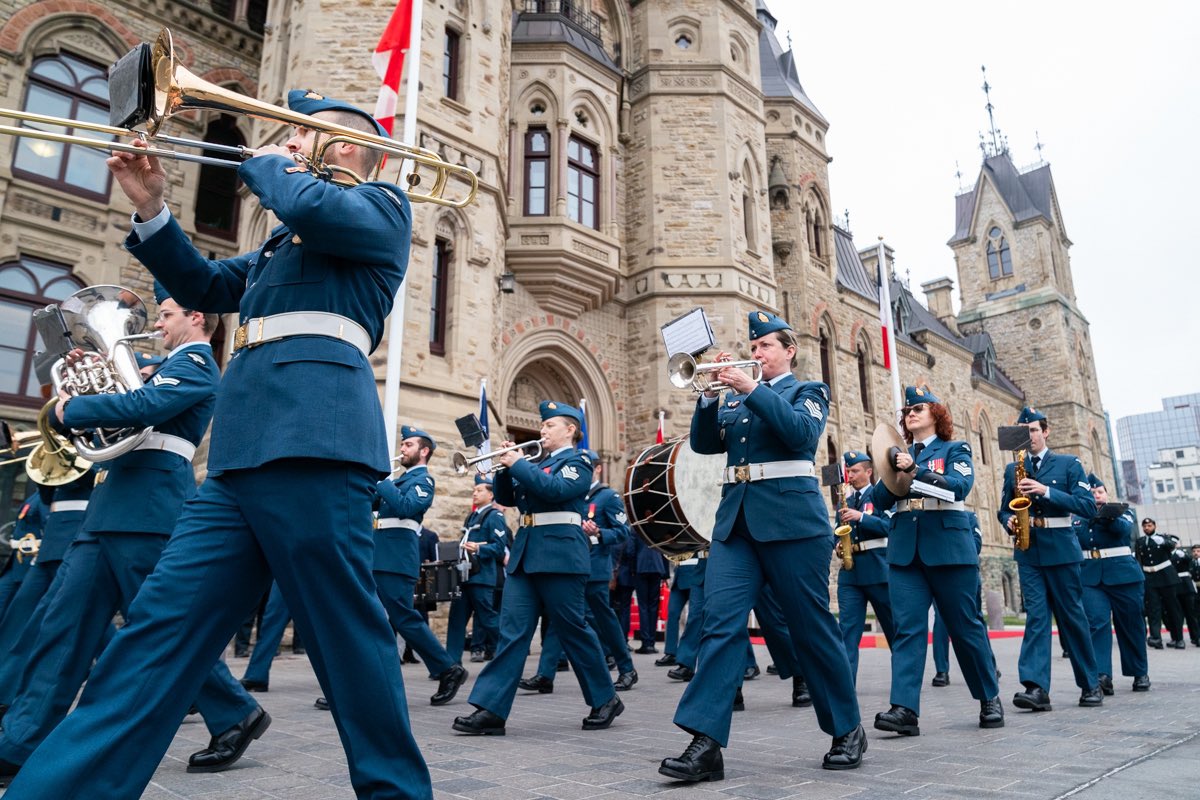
917,409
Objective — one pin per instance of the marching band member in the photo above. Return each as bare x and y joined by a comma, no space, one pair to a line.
485,535
312,300
606,527
772,528
126,528
868,580
30,520
1049,569
1113,592
931,557
548,570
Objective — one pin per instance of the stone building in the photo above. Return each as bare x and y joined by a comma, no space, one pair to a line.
636,160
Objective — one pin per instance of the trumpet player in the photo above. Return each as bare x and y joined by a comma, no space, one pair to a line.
485,537
868,580
1049,570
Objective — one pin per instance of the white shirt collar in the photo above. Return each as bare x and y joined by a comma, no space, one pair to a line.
1042,455
186,345
777,379
929,441
561,449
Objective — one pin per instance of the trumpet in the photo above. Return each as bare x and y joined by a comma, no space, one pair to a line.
462,463
684,372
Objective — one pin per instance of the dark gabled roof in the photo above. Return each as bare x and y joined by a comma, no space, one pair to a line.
851,273
922,319
778,68
533,28
1027,195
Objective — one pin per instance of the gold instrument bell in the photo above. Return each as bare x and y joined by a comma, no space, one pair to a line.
53,461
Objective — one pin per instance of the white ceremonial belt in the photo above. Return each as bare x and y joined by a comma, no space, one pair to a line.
1187,576
393,522
1050,522
1107,552
551,518
870,544
929,504
261,330
172,444
68,505
769,471
1157,567
690,562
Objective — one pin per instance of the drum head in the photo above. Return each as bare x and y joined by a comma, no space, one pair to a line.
671,497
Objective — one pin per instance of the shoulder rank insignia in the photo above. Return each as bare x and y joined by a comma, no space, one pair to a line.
962,469
814,409
569,472
1084,485
420,492
159,380
199,359
620,516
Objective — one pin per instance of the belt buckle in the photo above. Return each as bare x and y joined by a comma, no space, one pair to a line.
741,474
1095,552
527,520
917,504
240,336
101,476
375,523
1038,522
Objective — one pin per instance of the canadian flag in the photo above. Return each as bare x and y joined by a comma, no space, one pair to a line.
388,60
658,437
885,310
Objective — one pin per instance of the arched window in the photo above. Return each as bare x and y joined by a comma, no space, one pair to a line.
537,172
748,221
217,203
439,295
818,227
998,256
984,445
583,182
864,377
25,286
450,64
69,87
826,344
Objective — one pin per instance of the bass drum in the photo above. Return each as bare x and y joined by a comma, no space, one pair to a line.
671,497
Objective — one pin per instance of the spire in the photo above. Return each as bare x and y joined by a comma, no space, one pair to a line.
999,144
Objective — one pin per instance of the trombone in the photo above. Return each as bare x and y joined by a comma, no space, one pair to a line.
462,464
175,89
684,372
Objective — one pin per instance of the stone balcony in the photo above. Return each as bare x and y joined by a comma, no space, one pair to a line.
569,269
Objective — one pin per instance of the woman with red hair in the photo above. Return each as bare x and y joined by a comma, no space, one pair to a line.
931,557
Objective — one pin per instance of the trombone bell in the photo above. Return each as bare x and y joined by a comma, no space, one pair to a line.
685,373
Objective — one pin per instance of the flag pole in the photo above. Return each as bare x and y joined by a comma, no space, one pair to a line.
395,352
885,307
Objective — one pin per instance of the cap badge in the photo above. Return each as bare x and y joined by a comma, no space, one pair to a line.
763,317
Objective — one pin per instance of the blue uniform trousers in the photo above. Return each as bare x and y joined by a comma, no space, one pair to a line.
242,528
649,595
479,602
798,574
24,602
526,597
396,594
941,636
600,618
104,575
1120,607
1056,590
852,616
776,636
10,581
912,588
676,600
689,643
270,633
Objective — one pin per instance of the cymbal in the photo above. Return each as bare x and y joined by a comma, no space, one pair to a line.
885,438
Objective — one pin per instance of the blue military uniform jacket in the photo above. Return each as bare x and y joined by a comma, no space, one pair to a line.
607,510
1069,494
940,537
144,490
558,482
870,566
407,497
486,526
61,527
780,422
1102,534
339,250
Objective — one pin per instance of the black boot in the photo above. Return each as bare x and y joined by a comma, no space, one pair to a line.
848,749
1141,683
1091,698
739,702
1034,698
940,679
667,660
226,748
991,713
1106,684
409,656
800,694
701,761
625,681
898,719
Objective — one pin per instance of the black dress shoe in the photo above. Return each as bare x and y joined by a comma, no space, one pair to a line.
772,669
409,657
488,655
8,771
481,723
1091,698
1106,684
940,679
667,660
241,652
701,761
321,704
1141,683
751,673
682,673
739,702
448,685
476,656
226,748
254,686
538,683
603,716
1034,698
847,750
1178,644
625,681
1157,644
800,694
646,650
299,651
610,662
991,713
562,666
898,719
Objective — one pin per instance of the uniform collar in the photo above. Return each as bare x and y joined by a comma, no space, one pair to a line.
1041,455
186,345
777,379
562,449
484,507
413,470
928,441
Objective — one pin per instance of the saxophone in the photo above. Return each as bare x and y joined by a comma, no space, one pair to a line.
845,548
1020,504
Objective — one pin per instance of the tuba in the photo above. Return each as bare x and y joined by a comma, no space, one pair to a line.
103,320
1020,504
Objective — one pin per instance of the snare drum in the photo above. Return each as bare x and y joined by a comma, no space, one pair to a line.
438,582
671,497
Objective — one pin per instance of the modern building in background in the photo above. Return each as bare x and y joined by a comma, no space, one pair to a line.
1142,436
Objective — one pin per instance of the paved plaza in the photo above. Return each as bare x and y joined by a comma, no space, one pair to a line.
1136,746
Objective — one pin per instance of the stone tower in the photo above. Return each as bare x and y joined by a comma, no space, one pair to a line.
1011,250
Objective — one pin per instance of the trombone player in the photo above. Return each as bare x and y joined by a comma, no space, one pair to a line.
312,302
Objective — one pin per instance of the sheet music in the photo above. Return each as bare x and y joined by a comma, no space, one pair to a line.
929,490
690,333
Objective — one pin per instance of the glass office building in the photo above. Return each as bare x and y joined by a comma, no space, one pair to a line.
1142,436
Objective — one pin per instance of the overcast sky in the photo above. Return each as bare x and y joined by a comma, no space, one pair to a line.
1115,98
